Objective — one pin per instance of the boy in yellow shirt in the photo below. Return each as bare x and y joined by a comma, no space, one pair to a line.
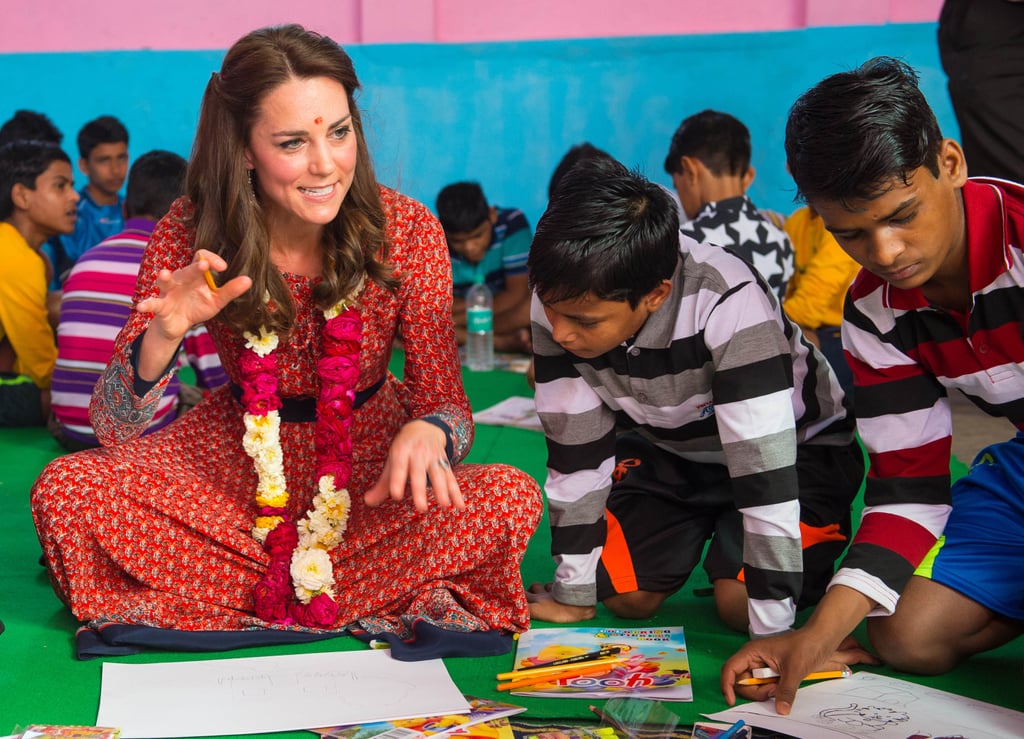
37,201
816,291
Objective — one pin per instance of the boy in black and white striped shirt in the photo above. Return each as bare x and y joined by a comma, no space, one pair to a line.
679,405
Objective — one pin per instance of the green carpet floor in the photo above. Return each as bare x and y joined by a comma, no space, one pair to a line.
42,682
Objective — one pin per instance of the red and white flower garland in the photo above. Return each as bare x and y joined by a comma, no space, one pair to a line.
299,584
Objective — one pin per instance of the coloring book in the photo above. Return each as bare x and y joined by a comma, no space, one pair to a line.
881,707
436,727
655,665
497,728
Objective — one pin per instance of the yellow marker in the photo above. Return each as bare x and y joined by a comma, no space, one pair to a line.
209,280
826,675
562,667
567,672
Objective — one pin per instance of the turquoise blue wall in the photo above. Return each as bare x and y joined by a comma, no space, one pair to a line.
503,113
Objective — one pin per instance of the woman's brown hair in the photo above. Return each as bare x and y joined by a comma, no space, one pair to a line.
228,218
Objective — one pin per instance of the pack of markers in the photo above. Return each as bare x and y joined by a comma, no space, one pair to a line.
592,662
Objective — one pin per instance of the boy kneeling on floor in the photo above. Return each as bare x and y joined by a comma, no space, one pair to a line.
679,405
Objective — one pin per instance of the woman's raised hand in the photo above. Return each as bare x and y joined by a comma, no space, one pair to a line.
187,296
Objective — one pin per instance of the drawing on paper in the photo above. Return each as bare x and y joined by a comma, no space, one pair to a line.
870,706
861,718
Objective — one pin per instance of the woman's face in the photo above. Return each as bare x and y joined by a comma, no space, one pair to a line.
303,150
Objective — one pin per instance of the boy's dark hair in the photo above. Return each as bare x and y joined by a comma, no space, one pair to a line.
31,126
103,130
462,207
608,232
577,153
720,141
852,134
156,179
21,163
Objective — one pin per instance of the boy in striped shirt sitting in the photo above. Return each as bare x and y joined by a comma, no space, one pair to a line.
680,406
937,307
98,299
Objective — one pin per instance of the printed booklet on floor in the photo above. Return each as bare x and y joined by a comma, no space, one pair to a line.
654,662
481,710
498,728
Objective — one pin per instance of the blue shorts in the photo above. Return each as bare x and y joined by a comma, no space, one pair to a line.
981,552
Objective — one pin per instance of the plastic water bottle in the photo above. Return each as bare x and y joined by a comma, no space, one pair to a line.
479,327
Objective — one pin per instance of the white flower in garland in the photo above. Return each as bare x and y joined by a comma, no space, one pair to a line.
312,573
261,432
325,524
263,344
309,568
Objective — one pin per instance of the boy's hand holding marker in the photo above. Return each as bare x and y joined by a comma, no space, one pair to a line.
766,676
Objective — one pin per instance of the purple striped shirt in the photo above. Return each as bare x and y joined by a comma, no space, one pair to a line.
96,304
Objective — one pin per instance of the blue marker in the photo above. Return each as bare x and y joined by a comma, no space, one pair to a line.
733,730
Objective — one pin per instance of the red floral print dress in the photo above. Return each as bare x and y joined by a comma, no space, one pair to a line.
155,530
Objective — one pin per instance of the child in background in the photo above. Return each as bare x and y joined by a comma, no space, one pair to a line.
37,201
936,308
575,153
98,300
103,159
29,125
491,242
679,405
586,150
709,161
814,297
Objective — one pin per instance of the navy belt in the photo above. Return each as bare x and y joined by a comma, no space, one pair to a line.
302,409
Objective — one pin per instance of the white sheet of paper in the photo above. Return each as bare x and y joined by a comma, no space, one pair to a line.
264,694
883,708
516,411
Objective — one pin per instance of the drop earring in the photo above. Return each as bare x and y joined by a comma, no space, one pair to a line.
252,186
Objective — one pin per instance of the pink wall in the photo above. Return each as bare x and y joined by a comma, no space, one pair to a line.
57,25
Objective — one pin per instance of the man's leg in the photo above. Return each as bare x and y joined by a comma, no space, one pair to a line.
966,596
731,603
637,604
981,44
935,628
660,513
829,478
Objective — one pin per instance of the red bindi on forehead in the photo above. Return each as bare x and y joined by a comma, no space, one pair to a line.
318,120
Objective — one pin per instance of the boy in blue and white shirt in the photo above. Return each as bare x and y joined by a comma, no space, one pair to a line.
489,243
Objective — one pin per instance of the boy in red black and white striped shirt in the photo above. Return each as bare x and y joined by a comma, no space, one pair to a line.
938,307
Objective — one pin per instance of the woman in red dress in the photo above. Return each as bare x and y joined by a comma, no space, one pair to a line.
164,531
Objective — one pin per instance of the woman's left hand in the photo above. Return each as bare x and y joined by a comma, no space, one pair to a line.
417,457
